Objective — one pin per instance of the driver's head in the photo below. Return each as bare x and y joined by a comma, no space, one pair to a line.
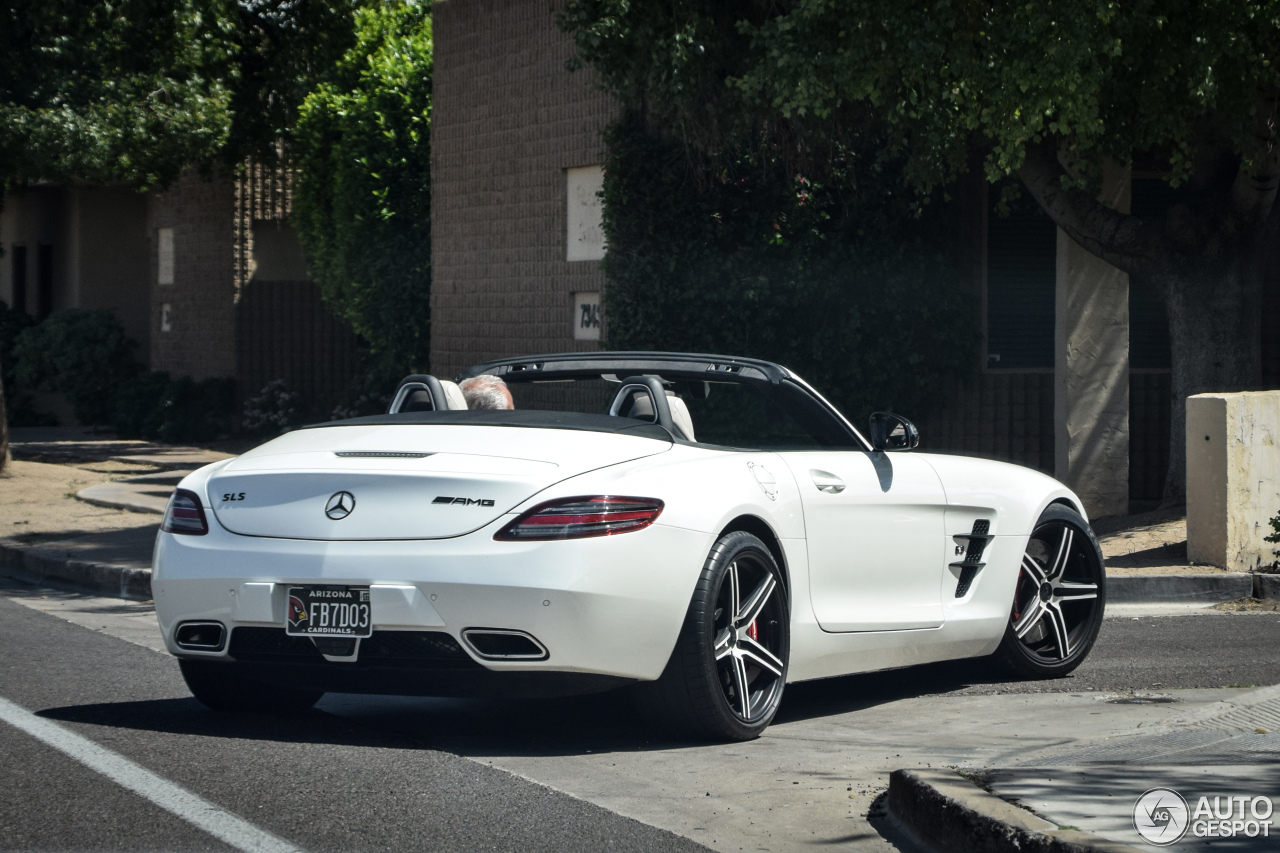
486,392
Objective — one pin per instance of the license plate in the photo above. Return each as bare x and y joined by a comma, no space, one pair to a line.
329,611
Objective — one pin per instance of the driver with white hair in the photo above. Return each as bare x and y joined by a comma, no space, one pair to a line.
486,392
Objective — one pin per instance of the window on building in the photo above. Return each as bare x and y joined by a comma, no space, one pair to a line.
44,280
1022,259
585,215
166,318
19,278
164,245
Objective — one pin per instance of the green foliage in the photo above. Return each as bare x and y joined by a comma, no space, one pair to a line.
1097,77
370,390
138,408
273,410
157,407
18,404
758,263
198,409
1275,534
12,323
284,49
112,90
363,199
83,354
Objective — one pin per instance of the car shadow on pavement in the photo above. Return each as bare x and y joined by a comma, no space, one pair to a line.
598,723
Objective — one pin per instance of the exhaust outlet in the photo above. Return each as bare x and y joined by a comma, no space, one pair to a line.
201,636
502,644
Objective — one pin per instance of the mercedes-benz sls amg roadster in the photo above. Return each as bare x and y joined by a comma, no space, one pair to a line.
701,529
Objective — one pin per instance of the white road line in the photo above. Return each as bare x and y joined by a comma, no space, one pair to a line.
196,810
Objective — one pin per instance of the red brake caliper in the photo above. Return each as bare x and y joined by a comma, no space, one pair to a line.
751,631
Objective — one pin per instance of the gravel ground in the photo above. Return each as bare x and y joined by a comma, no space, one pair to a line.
37,500
1148,544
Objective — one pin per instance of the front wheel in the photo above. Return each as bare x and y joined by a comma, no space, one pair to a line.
217,685
1059,599
726,675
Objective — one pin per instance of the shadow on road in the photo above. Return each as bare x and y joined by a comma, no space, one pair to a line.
604,722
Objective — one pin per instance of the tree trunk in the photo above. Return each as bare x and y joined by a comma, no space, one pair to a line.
4,431
1215,335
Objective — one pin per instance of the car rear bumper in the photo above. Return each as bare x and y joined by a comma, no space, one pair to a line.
608,606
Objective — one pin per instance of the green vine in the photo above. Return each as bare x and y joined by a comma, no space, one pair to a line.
363,202
831,276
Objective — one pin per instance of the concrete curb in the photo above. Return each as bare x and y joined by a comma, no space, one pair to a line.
29,562
112,496
1266,586
1181,589
945,811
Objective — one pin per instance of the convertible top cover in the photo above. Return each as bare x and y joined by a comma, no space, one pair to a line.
527,418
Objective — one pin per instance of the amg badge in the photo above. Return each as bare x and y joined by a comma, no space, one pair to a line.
464,501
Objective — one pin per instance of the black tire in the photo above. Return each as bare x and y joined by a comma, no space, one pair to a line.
219,686
1059,599
699,693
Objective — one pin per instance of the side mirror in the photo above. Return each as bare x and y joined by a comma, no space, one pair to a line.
893,432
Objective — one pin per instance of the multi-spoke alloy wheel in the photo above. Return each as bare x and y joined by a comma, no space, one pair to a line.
726,675
1059,599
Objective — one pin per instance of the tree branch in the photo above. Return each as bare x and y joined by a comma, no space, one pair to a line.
1126,242
1253,193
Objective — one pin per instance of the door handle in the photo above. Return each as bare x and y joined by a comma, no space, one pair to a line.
827,482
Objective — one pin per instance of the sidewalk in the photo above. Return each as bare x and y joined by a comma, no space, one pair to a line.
84,510
1086,793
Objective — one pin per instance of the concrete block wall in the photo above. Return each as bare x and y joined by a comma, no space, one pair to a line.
507,120
201,341
1233,478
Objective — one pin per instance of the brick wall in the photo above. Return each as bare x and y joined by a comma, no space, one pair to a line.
201,341
507,121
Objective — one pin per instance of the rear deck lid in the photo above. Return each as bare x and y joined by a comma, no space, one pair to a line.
368,482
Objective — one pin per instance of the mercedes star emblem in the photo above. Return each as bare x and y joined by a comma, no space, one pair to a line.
340,505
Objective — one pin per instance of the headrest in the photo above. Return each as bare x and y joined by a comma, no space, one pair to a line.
453,399
642,409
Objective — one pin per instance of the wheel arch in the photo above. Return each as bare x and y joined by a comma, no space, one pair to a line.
758,527
1068,503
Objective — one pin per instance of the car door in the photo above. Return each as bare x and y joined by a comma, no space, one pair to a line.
874,525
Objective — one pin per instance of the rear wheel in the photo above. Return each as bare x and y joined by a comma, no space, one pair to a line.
218,685
1059,600
726,675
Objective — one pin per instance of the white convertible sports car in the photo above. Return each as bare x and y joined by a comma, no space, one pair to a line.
701,528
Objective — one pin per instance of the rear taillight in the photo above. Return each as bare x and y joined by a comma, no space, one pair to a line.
579,518
184,514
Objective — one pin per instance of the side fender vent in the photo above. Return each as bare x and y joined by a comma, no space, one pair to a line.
972,561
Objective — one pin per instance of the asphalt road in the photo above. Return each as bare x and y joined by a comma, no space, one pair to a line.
378,773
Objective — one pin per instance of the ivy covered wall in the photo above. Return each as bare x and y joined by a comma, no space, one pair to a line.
837,276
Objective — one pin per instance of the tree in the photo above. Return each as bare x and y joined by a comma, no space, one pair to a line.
1044,91
363,197
113,90
284,49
